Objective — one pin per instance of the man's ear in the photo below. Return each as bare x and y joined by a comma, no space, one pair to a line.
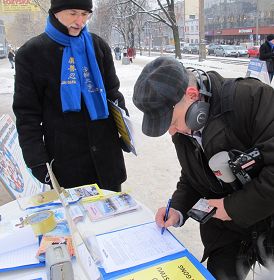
192,93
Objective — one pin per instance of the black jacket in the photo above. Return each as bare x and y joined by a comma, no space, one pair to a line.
250,124
11,55
267,54
84,151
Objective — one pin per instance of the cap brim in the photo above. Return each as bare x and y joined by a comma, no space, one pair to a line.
155,127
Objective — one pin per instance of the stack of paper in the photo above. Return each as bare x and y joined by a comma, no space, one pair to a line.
18,249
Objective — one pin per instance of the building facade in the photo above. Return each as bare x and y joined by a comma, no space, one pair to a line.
238,21
191,28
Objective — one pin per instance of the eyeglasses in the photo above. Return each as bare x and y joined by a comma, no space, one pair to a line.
74,14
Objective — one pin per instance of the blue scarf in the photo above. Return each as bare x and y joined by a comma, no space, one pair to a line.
80,74
271,45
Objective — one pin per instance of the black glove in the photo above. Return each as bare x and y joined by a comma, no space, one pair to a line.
40,172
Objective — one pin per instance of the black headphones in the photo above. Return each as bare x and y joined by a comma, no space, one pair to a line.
197,114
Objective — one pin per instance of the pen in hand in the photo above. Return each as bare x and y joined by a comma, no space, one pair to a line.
166,214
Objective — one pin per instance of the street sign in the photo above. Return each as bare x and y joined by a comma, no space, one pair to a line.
257,69
15,6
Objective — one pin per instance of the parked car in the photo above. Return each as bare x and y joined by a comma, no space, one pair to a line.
169,49
241,51
156,48
191,49
211,48
253,51
225,50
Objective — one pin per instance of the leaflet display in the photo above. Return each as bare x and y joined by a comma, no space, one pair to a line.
112,205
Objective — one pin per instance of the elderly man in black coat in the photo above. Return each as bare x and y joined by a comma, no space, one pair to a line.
64,78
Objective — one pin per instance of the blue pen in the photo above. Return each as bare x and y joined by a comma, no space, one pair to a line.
166,214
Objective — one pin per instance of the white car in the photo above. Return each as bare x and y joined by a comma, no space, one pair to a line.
242,51
169,49
225,50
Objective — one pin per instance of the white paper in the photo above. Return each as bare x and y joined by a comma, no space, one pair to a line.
87,262
136,245
18,238
41,275
23,256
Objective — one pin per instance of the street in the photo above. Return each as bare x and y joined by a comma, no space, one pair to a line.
226,60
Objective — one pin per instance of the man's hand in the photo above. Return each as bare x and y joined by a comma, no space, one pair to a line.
173,217
220,212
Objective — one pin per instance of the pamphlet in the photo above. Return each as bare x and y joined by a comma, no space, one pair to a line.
51,240
50,198
110,206
42,201
85,192
123,124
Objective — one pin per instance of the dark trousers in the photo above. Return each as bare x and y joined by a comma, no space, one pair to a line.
227,264
270,76
11,63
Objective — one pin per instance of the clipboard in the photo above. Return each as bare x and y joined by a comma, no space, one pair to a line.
123,125
200,269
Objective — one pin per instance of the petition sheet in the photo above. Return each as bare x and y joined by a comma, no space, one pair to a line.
136,245
21,257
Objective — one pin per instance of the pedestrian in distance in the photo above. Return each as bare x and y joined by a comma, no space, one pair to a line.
125,52
208,117
130,54
266,53
64,78
11,57
117,52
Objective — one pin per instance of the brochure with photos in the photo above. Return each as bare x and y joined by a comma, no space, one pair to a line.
110,206
85,192
50,198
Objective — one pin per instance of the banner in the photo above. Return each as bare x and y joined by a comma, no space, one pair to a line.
16,178
257,69
14,6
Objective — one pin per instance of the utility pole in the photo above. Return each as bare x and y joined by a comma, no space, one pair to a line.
149,38
202,52
257,23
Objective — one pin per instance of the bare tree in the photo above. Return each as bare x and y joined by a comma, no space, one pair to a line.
121,17
124,20
101,21
165,13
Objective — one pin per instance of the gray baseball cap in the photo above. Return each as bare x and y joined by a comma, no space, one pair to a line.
160,86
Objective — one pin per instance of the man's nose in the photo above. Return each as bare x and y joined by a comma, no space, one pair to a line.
80,20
